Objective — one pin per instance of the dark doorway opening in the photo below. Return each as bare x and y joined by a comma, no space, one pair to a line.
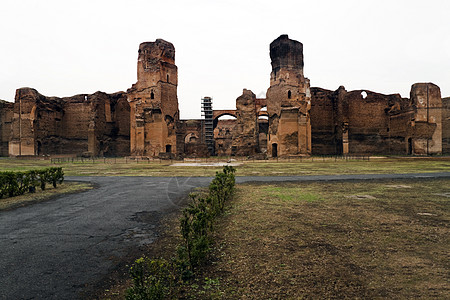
274,150
168,148
410,147
39,148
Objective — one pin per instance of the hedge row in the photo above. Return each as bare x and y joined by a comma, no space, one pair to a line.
18,183
158,278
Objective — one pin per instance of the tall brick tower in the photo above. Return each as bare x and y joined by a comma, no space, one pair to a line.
153,101
288,100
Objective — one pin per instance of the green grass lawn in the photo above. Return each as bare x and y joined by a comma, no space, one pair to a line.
309,166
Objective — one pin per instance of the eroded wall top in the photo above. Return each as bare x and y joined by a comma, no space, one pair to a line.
286,54
156,62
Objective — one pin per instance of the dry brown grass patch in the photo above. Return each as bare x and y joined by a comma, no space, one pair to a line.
311,241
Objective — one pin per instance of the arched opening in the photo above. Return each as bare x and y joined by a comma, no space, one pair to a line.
263,118
168,148
364,94
167,77
224,118
274,150
191,138
152,95
289,94
264,108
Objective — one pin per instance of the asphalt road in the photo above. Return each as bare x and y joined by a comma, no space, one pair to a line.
60,248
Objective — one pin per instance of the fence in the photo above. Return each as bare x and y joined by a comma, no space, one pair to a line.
212,159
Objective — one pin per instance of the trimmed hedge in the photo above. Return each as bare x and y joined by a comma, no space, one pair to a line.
159,278
18,183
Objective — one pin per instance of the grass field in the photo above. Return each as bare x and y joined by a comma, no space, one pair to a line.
358,240
307,166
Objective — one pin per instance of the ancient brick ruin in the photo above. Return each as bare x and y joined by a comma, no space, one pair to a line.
153,101
294,118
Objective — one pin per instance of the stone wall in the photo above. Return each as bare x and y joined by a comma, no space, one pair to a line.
191,139
223,136
96,124
298,120
245,133
446,125
153,100
365,122
6,117
427,126
288,100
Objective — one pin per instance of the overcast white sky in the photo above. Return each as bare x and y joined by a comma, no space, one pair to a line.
63,48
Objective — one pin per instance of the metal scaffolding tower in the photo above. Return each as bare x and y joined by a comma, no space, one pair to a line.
207,113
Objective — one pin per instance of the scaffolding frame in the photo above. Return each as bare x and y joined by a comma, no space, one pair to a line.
207,114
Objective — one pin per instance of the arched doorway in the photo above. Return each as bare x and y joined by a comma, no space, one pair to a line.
274,150
410,147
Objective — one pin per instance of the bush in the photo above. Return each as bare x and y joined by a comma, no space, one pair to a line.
18,183
153,279
198,217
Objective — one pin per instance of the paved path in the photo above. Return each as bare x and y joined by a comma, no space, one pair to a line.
59,248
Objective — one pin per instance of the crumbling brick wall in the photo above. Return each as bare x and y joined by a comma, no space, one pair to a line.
246,131
6,117
288,100
446,125
96,124
365,122
190,139
427,126
223,136
153,99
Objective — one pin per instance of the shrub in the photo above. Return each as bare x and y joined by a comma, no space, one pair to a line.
153,279
17,183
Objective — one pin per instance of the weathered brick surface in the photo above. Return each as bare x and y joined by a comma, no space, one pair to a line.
288,100
190,141
446,125
96,124
245,133
427,126
6,117
153,100
298,120
223,136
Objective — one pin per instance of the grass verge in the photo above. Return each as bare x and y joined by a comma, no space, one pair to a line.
49,193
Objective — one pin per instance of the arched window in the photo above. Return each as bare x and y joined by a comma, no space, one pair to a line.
152,95
167,77
289,94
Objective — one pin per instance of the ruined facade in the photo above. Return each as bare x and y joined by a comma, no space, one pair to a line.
288,100
153,101
360,122
294,119
6,117
96,124
446,125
